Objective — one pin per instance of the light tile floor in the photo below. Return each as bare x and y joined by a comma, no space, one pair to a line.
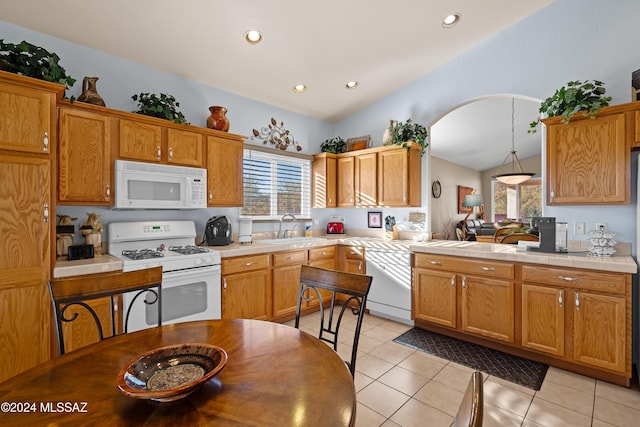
399,386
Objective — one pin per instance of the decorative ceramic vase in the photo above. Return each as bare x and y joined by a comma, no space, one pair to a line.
89,92
218,120
387,136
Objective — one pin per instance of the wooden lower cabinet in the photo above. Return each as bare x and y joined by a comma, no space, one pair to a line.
246,287
487,308
434,297
351,259
599,330
286,281
83,331
575,319
543,319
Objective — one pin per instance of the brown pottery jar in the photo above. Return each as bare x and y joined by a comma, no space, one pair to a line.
218,120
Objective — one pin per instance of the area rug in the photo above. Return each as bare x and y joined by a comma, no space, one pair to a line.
508,367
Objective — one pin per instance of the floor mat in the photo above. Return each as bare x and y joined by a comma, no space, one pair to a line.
511,368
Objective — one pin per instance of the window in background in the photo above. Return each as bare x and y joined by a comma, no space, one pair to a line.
517,202
275,184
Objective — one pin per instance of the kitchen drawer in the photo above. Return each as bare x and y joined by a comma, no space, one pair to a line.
244,263
354,252
322,253
477,267
288,258
579,279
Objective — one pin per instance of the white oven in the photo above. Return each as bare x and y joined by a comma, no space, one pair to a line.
187,295
190,274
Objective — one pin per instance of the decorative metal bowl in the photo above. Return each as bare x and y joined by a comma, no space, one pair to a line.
171,373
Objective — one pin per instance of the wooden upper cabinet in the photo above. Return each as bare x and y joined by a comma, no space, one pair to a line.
84,157
224,171
399,177
139,141
366,182
185,148
323,180
346,169
588,161
27,113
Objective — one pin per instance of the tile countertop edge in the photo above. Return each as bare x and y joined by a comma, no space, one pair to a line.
618,264
99,264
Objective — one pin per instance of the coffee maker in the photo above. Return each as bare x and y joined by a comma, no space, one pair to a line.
552,234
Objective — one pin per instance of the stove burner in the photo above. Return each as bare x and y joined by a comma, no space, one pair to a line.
141,254
188,249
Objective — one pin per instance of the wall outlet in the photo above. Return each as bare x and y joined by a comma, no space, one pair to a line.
601,226
578,228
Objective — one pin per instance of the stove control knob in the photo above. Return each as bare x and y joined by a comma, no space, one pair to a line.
208,260
198,261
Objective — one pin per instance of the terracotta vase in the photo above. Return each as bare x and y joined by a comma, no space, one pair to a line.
89,92
218,119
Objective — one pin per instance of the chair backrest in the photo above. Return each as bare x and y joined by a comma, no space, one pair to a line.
342,292
470,411
514,238
71,298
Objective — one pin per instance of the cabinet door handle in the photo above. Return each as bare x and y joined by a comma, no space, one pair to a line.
553,194
210,196
464,282
170,153
323,253
360,266
487,268
569,279
224,283
45,142
453,281
159,152
435,262
108,192
577,301
289,257
45,213
248,264
560,299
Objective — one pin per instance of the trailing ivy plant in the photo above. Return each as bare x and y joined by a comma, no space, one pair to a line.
334,145
33,61
576,96
403,133
163,107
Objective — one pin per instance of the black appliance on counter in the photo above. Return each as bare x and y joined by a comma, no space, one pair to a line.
217,232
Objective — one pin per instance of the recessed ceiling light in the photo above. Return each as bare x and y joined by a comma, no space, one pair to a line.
352,84
253,36
299,88
451,20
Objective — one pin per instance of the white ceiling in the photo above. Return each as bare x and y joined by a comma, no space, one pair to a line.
478,134
383,45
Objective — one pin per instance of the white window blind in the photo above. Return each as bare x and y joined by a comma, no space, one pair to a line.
275,184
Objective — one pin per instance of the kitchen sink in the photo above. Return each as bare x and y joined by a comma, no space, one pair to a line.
291,240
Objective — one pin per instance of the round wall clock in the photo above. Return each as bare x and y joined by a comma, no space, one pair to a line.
436,189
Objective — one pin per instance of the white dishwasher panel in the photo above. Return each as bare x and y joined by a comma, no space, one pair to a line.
390,293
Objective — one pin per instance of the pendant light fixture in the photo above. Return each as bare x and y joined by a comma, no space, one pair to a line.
514,177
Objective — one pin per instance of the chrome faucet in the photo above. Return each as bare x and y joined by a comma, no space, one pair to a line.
282,219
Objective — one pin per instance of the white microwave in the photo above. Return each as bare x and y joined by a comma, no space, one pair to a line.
153,186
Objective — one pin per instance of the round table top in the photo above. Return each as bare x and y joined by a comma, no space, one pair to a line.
276,375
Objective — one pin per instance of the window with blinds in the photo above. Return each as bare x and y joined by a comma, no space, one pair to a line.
275,184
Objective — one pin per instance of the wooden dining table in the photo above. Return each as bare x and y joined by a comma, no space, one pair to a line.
276,375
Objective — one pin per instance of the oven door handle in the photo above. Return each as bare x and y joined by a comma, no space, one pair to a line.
192,272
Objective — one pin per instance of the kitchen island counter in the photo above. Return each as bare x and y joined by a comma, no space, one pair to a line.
499,252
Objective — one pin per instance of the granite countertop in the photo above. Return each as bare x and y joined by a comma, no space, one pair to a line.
616,263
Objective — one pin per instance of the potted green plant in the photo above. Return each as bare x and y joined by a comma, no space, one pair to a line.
406,132
33,61
576,96
333,145
163,107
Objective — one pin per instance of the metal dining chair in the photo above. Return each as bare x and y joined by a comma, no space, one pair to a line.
470,411
71,298
342,292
